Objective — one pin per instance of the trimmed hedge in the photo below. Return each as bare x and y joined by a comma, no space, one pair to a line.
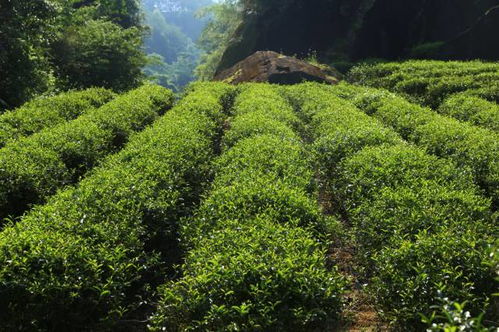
251,266
34,167
400,190
49,112
430,82
472,109
414,276
471,148
87,258
337,128
393,195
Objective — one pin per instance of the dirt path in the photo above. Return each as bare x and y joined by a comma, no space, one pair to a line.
360,314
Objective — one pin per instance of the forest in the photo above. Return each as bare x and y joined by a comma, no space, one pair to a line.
249,165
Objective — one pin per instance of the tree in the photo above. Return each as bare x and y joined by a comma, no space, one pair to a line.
26,31
99,53
40,37
225,18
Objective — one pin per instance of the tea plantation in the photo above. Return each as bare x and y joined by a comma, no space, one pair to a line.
256,207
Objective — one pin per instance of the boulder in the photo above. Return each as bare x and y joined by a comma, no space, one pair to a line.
272,67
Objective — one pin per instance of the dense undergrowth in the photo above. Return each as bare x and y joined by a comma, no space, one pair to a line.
210,216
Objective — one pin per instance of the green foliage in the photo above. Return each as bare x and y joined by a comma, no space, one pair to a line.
472,109
251,266
91,253
27,30
100,53
256,276
48,112
420,224
338,128
430,82
41,37
412,276
452,317
255,124
225,19
472,148
36,166
400,190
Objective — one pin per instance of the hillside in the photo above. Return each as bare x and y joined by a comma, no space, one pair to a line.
342,32
256,207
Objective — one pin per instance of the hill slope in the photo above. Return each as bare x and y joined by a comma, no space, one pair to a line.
237,208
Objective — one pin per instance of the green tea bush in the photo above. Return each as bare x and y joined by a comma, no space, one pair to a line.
254,124
392,193
252,276
257,99
470,147
251,266
472,109
338,128
400,190
49,112
36,166
411,277
428,82
86,259
489,92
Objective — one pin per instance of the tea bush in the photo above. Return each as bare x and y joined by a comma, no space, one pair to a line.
391,194
430,82
411,277
36,166
401,190
49,112
472,109
470,147
91,253
338,129
251,266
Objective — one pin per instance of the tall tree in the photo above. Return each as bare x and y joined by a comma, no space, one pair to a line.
26,30
46,45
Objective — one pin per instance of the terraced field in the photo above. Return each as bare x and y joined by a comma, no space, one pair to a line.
255,208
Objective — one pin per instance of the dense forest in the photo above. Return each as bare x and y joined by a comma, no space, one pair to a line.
249,165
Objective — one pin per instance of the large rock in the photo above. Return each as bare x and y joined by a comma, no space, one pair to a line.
272,67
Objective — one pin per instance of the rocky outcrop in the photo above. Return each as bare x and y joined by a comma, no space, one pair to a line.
350,30
272,67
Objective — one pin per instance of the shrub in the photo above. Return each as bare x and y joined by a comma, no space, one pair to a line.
400,190
49,112
472,109
256,275
246,269
254,124
35,167
470,147
410,278
429,82
394,195
91,253
338,128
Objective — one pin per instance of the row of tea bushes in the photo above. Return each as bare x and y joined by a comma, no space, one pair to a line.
49,112
469,108
402,204
253,264
431,82
424,68
86,259
34,167
473,149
